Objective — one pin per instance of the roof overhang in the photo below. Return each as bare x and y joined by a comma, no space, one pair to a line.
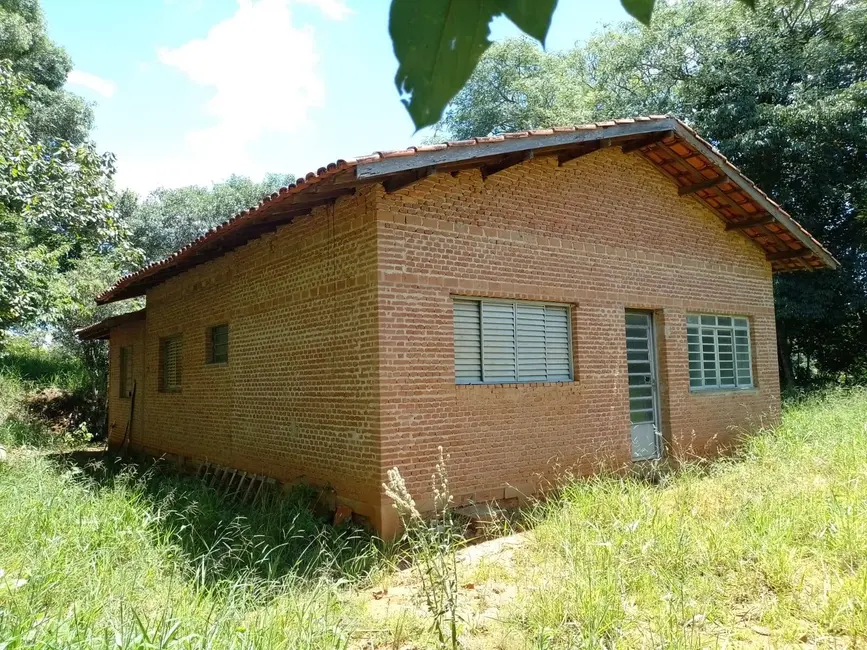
102,329
697,168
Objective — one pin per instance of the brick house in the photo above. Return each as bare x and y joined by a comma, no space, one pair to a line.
562,298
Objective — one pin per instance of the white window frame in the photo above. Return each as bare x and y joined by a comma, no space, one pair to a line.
696,325
515,303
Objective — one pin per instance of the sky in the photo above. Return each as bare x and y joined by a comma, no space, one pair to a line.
192,91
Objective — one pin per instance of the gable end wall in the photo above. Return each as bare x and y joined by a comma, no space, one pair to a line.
604,233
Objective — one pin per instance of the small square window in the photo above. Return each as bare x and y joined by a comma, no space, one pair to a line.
218,344
170,363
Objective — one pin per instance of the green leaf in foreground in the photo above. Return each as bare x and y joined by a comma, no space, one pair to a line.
533,17
438,44
641,10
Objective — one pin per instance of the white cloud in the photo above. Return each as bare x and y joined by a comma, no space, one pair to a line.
92,82
333,9
263,70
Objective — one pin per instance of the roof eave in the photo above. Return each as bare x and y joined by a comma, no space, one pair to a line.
402,168
102,330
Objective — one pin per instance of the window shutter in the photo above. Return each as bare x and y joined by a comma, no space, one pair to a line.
531,342
498,342
219,344
468,342
501,341
558,357
172,363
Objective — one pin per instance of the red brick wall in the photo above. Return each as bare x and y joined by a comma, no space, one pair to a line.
129,335
604,233
298,397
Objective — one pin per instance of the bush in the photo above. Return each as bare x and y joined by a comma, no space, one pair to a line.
47,395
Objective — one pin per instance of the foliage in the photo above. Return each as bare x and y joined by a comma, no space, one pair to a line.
438,43
430,543
55,210
517,84
781,91
167,219
53,113
48,396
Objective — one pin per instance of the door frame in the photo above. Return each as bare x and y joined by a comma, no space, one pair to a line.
655,390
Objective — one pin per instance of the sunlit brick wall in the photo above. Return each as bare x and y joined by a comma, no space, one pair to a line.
603,233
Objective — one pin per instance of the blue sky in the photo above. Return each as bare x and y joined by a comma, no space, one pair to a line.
191,91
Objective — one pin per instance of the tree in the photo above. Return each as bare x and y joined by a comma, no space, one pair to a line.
55,210
782,92
169,218
54,113
438,43
517,86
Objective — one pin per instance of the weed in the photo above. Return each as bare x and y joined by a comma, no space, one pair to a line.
431,543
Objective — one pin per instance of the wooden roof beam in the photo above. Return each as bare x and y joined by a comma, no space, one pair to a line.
640,143
758,197
751,223
396,183
508,161
788,255
571,154
701,185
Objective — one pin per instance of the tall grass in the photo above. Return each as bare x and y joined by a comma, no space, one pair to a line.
768,546
111,558
39,367
16,427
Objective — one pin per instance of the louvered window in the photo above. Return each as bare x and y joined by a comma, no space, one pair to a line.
501,341
125,367
170,363
719,352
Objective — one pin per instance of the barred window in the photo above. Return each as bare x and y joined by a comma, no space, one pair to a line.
719,352
125,367
505,341
170,363
218,344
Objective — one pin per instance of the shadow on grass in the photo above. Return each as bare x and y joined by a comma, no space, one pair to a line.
224,540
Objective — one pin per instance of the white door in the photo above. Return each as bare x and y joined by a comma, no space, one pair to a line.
643,386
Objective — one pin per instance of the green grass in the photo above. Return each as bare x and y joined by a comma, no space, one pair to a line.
38,367
766,548
773,540
114,558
